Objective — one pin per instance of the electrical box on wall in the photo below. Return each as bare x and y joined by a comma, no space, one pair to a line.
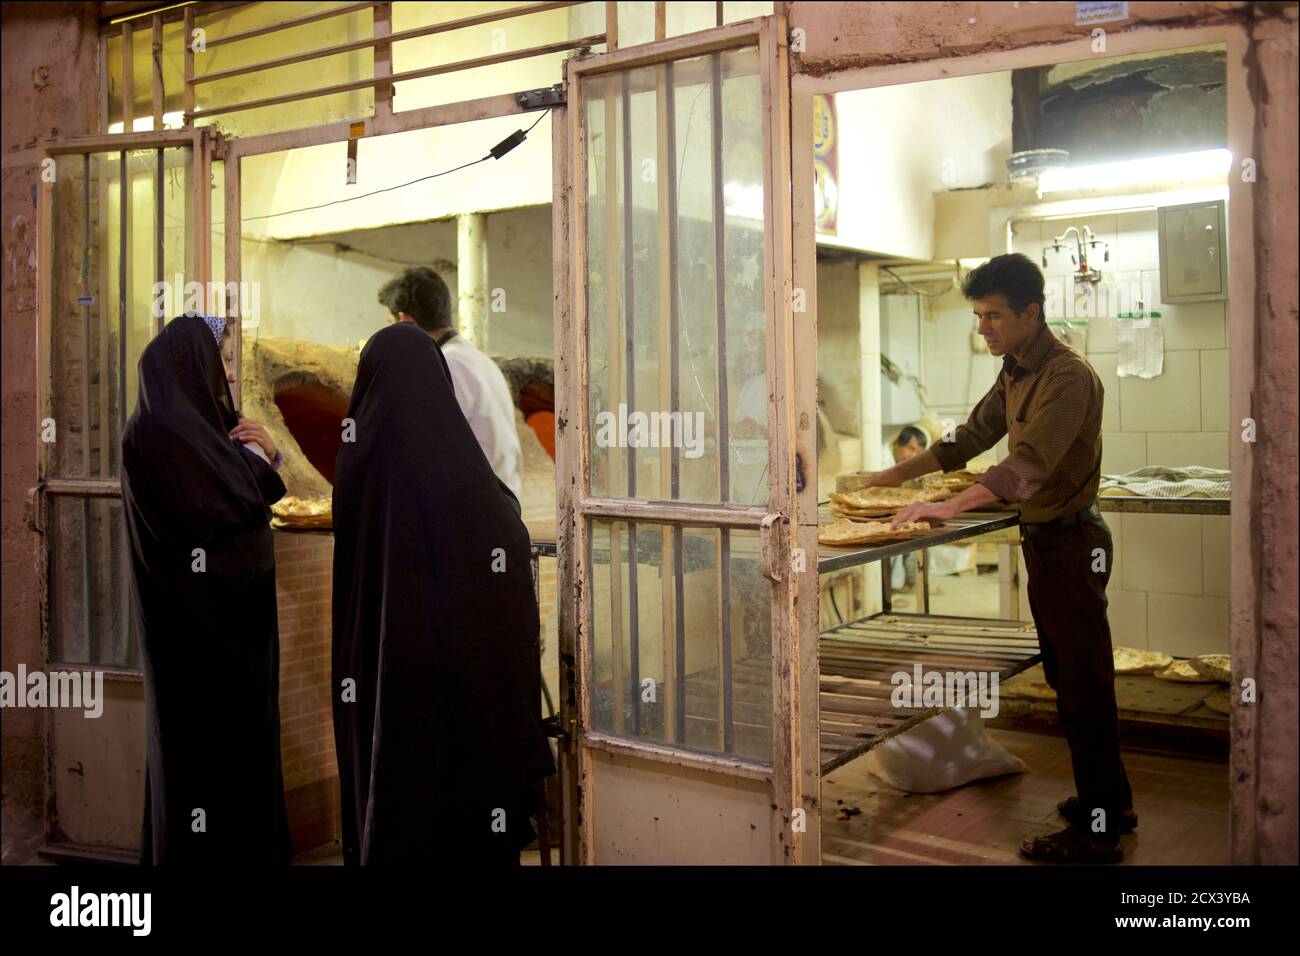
1193,252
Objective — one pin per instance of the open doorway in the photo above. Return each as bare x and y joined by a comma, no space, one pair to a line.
1111,175
322,230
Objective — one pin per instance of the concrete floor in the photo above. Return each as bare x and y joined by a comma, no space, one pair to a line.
1181,801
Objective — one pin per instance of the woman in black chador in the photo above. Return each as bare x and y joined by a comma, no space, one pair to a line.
203,587
436,683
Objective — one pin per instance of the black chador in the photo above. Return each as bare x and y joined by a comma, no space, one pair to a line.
436,680
203,588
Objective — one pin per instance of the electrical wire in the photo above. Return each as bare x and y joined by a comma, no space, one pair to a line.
388,189
899,279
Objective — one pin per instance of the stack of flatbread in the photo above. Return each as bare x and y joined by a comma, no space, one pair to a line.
1202,669
956,481
294,512
1215,666
846,533
878,502
1130,661
1220,701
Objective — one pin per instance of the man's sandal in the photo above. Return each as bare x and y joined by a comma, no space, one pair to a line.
1069,808
1071,846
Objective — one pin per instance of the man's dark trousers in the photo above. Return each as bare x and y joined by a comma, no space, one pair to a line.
1068,571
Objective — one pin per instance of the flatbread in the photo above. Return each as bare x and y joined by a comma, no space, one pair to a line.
861,513
294,512
1131,660
954,483
1214,666
845,532
894,499
959,480
1183,672
1220,701
1033,689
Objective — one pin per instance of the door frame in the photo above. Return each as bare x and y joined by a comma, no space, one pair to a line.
1241,313
124,679
787,522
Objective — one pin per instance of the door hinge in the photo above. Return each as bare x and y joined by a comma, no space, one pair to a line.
33,510
774,544
544,97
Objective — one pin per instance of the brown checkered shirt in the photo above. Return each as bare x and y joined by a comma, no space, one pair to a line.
1049,404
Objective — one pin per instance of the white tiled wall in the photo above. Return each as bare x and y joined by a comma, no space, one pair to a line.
1169,585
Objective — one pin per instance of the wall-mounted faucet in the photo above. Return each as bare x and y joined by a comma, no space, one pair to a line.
1083,242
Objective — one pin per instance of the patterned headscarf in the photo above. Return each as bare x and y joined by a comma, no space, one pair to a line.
216,324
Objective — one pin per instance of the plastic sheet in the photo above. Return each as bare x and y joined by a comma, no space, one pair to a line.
1141,344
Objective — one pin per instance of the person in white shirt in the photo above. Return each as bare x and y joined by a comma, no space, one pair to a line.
420,296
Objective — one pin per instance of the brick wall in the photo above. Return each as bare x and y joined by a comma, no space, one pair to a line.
546,606
303,577
303,574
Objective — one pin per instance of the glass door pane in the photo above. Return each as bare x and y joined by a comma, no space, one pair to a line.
675,298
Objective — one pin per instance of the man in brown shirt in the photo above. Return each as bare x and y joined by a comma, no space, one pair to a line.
1047,400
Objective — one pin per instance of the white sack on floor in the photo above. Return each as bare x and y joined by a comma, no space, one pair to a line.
946,751
951,559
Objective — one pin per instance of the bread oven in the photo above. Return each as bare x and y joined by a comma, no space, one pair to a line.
300,390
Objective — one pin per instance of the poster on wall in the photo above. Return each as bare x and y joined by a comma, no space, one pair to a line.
826,166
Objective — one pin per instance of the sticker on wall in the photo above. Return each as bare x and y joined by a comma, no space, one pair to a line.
1086,14
826,166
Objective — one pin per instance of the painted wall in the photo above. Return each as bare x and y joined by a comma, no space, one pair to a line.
324,289
275,184
899,145
50,64
839,373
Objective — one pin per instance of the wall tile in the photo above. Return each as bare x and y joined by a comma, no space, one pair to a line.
1214,390
1122,452
1162,553
1027,238
1170,402
1127,614
1105,368
1117,540
1101,335
1216,555
1209,449
1190,325
1137,245
1186,626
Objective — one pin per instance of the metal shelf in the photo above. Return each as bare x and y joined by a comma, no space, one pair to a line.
859,659
1131,504
969,525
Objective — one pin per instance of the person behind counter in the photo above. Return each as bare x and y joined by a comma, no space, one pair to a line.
1048,401
907,444
420,297
436,676
196,503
